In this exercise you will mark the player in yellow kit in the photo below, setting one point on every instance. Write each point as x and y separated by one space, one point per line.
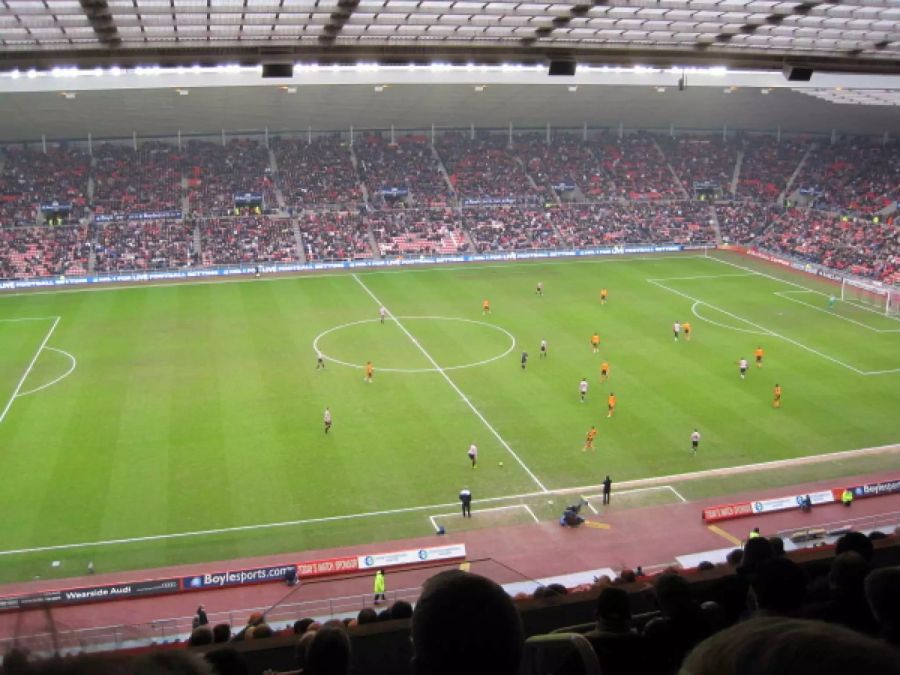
595 342
759 354
604 294
776 397
686 327
370 371
604 371
611 404
486 306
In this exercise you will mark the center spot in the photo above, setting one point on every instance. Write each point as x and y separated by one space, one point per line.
452 342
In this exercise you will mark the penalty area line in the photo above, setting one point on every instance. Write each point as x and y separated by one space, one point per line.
527 509
452 384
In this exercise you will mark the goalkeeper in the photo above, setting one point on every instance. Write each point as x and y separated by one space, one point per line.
831 302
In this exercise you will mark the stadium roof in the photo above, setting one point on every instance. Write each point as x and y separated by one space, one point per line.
856 36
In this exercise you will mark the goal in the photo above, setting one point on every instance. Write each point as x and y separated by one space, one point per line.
881 298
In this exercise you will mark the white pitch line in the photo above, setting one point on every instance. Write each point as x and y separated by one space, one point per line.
677 494
452 384
796 285
29 318
585 489
458 514
696 313
528 508
763 328
705 276
787 296
28 370
58 379
591 507
636 490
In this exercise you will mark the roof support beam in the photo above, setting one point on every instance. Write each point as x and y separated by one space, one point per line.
101 20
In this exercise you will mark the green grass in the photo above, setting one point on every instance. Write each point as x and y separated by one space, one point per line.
198 407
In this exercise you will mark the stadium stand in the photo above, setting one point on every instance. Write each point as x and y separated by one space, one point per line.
631 167
407 164
743 222
418 232
144 245
849 244
612 189
317 173
564 165
621 222
508 228
229 241
128 181
335 235
698 159
29 252
30 178
485 170
216 173
852 176
767 165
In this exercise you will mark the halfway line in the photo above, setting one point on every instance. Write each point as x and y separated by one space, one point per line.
453 385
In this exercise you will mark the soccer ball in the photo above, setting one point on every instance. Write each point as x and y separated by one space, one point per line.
500 464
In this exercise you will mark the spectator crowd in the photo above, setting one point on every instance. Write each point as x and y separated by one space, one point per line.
469 192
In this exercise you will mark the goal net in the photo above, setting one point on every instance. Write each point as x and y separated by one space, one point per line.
881 298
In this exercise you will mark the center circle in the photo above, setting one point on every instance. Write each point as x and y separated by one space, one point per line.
401 319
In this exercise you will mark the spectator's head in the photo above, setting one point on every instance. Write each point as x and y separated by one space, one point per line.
735 557
779 587
401 610
366 615
465 623
328 652
302 647
883 593
705 566
226 661
848 573
627 576
768 645
673 592
777 546
756 550
876 535
221 633
613 609
255 619
855 541
556 590
262 631
201 635
302 625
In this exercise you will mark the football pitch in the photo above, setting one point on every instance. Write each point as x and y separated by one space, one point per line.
153 425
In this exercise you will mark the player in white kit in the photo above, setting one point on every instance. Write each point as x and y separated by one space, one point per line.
582 388
473 455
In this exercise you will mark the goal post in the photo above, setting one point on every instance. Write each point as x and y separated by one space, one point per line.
873 295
